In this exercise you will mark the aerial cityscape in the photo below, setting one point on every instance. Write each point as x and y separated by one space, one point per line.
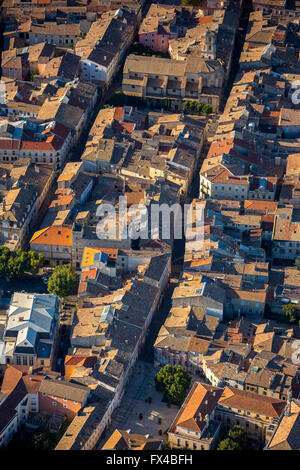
150 226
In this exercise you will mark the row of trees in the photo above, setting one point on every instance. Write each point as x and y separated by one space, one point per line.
196 107
190 3
189 107
236 439
174 383
15 264
120 99
138 49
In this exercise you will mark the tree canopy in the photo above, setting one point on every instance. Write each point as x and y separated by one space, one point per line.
236 439
14 264
174 382
63 281
297 262
289 313
207 109
196 107
192 3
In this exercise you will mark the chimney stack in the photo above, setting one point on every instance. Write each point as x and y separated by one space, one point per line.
288 405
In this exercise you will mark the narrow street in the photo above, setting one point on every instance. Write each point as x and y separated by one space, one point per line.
126 415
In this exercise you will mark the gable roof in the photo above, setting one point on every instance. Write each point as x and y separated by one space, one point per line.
249 401
58 236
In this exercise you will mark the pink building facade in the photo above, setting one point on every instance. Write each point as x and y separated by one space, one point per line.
156 42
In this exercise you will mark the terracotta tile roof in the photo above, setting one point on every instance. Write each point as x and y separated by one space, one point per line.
55 143
287 434
199 345
260 205
58 236
123 440
89 274
220 174
64 389
9 144
252 402
118 114
73 362
62 200
220 147
200 401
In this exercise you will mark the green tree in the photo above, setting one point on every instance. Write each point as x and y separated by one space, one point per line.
199 107
297 262
36 261
63 281
14 264
289 312
235 440
207 109
238 434
228 444
33 73
42 441
192 3
174 382
186 107
193 106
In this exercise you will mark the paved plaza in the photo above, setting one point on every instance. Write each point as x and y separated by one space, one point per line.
140 387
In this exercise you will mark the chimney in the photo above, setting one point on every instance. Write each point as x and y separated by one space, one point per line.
30 370
288 404
129 443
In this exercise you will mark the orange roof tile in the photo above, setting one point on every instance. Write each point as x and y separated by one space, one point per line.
89 274
60 236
